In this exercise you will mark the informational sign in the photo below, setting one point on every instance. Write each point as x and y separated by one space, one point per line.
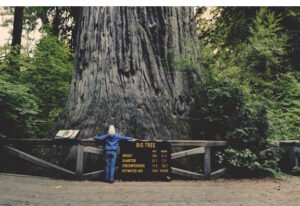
66 134
145 160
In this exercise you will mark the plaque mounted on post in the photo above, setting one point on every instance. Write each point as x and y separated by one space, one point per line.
145 160
66 134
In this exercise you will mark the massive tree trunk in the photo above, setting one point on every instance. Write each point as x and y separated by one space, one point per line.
124 73
17 27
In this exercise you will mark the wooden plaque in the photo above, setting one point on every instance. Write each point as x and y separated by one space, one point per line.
66 134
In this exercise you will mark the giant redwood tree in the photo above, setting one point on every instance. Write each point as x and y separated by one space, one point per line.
124 72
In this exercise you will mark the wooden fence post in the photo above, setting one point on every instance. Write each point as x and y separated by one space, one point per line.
293 157
79 160
207 165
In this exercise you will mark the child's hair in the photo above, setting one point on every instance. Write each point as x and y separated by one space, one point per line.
111 130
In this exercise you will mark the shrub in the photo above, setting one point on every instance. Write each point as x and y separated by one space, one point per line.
19 109
227 113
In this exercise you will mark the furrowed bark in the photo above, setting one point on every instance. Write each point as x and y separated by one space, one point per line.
124 74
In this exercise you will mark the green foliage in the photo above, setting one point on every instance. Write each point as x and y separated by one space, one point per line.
50 75
34 90
296 171
228 27
266 47
32 14
18 108
259 64
283 98
240 158
250 95
270 157
226 112
271 78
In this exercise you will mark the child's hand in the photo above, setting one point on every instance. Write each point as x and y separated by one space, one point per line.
132 139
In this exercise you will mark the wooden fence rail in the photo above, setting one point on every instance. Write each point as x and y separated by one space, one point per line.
90 146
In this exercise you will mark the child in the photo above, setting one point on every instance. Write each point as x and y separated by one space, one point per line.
111 149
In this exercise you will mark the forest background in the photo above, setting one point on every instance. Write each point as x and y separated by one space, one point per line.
249 71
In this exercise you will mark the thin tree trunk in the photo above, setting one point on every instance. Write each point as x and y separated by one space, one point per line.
75 13
17 27
56 22
123 74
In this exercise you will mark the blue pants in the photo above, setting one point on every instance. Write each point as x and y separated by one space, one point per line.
110 158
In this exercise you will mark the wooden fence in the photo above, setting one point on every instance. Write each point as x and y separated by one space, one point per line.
90 146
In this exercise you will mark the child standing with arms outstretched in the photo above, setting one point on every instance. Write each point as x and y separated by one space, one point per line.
111 150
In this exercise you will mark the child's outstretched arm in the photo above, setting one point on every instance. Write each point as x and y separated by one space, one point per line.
103 137
120 137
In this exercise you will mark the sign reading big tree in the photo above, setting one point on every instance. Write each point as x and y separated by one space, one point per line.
145 160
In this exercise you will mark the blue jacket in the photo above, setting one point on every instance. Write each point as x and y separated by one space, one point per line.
111 143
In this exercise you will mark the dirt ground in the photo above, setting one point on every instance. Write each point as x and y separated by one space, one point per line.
29 190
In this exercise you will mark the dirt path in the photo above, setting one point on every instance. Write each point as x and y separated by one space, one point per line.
27 190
